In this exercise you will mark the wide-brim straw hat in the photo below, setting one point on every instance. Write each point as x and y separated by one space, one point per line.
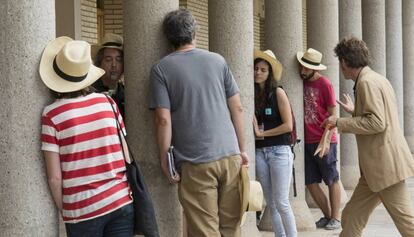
270 57
311 59
110 40
251 194
66 65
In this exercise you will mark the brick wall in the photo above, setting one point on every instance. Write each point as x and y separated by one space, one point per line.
199 9
259 32
89 26
113 16
258 25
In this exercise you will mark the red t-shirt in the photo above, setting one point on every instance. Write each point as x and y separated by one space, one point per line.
318 95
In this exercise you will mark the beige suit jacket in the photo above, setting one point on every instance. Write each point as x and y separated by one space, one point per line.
384 156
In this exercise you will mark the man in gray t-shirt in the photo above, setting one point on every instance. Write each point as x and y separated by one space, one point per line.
198 111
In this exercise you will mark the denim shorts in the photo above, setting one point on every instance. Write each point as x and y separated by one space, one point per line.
317 169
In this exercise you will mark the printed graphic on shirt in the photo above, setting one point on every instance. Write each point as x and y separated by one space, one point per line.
311 105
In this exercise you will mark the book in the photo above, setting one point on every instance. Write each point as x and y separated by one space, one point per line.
171 163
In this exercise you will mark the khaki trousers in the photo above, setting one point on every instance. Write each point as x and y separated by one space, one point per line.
209 194
396 200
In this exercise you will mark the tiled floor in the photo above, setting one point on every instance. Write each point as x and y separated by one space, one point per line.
380 223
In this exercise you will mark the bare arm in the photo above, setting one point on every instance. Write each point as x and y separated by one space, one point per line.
285 113
332 113
54 176
164 134
237 116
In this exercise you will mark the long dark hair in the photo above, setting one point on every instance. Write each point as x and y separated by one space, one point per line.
261 96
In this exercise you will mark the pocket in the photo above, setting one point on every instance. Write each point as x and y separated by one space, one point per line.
236 162
279 155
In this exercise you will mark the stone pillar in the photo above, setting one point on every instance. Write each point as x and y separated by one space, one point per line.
322 35
408 67
350 24
26 206
393 14
373 33
285 40
231 35
145 44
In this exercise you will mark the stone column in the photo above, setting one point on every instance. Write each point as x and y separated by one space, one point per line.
408 67
393 27
283 30
350 24
322 33
373 33
231 35
26 206
145 44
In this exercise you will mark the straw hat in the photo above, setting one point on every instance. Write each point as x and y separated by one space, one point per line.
66 65
311 59
251 195
110 40
270 57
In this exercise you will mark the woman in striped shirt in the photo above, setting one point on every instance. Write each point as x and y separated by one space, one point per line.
84 158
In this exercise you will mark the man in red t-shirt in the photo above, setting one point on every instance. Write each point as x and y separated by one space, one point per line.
319 104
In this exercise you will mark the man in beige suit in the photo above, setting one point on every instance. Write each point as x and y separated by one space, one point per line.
385 159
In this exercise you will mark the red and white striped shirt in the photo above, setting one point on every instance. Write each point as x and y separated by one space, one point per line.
83 131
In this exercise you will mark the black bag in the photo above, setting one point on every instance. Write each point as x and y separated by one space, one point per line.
145 222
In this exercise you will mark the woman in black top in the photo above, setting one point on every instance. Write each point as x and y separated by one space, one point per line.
272 128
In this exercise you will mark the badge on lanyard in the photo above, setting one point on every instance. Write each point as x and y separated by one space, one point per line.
268 111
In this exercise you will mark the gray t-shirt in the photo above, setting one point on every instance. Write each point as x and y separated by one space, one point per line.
195 85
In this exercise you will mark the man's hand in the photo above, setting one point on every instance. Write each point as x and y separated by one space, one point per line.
164 167
324 145
330 122
245 159
347 104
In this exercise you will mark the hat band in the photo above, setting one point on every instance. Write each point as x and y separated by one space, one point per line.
65 76
112 44
310 62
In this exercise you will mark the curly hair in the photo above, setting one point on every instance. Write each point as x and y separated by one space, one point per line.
353 51
179 27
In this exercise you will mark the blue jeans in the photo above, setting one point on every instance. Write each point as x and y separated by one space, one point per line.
119 223
274 171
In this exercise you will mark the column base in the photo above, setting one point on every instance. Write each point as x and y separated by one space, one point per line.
303 217
312 204
249 229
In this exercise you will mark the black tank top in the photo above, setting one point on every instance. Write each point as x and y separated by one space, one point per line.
270 117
